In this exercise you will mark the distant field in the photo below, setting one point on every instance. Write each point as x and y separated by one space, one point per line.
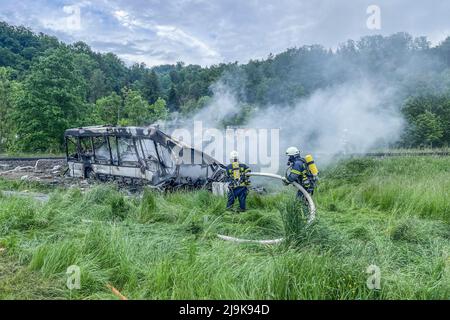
392 212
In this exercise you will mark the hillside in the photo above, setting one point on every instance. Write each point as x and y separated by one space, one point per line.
43 80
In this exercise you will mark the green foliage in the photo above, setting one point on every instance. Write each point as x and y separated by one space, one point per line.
108 109
428 128
73 85
239 118
8 89
136 109
18 46
173 99
158 110
97 87
191 106
429 120
52 94
151 87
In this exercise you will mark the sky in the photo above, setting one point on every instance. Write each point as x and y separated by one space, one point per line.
207 32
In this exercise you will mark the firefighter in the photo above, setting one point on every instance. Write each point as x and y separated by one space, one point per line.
238 181
301 170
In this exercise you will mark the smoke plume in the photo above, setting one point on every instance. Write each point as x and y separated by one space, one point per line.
354 117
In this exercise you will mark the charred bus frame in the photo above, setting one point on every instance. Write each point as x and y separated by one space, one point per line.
151 157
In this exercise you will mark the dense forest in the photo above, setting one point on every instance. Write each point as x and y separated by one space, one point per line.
47 86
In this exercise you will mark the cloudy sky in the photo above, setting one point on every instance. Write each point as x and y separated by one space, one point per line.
211 31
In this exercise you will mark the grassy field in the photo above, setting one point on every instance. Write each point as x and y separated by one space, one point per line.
393 213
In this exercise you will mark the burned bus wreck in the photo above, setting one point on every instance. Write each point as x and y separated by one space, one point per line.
138 156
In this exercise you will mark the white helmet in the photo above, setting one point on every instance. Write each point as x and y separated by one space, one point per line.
234 155
292 151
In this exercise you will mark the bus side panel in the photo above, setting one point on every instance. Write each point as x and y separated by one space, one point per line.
76 169
130 172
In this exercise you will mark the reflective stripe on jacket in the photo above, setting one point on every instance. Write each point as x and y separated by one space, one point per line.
299 172
236 173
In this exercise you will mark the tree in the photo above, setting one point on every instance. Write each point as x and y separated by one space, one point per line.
443 51
52 100
159 110
196 90
81 47
136 72
50 85
191 106
108 110
137 109
432 108
173 102
151 89
19 45
188 107
6 107
427 129
97 85
114 70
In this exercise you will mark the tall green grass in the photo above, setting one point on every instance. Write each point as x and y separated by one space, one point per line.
417 186
164 246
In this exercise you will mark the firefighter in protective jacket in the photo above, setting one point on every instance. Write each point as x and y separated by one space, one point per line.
301 170
238 181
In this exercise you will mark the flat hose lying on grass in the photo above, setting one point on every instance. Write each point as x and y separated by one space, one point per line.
311 207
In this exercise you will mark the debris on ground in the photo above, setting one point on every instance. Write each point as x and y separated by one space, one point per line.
116 292
49 171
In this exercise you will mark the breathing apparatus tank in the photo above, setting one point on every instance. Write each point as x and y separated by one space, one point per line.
311 165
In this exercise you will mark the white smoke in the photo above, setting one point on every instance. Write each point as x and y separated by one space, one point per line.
223 105
349 118
353 117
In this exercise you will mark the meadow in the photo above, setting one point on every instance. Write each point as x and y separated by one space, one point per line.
393 213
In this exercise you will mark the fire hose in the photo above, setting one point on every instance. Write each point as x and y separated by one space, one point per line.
306 195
